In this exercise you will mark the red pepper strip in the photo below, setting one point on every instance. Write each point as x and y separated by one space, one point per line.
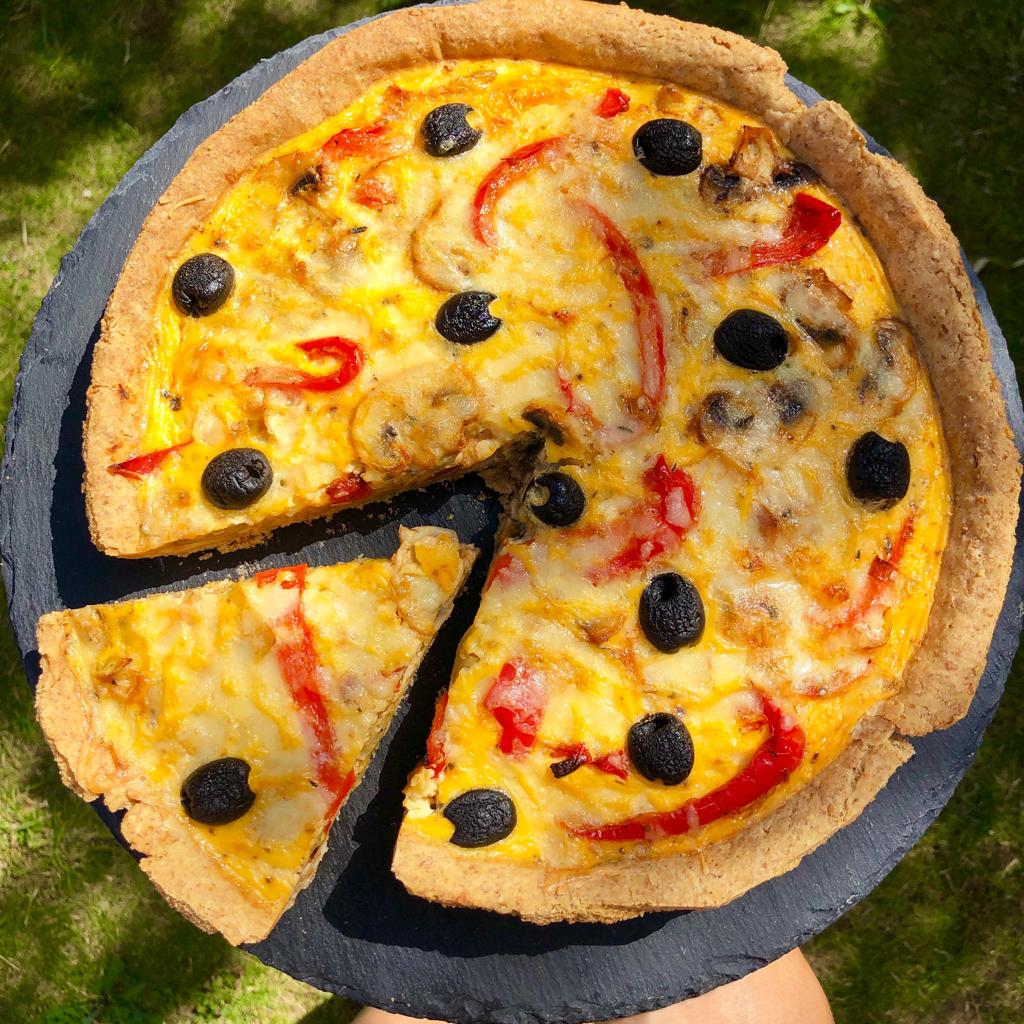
356 141
351 487
297 659
437 758
517 699
614 101
375 193
671 509
574 405
141 465
515 166
613 764
880 572
646 311
773 762
350 361
506 569
811 224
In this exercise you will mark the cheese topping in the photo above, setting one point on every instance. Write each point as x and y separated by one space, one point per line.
610 282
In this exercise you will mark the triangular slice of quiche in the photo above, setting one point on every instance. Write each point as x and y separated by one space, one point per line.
231 721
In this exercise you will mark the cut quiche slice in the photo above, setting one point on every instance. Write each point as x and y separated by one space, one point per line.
230 722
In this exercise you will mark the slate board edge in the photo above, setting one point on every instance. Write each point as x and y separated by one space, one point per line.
233 98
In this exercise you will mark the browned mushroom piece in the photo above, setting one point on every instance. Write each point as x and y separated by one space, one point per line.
440 258
893 371
820 308
417 419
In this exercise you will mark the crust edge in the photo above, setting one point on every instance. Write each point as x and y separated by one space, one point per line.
624 889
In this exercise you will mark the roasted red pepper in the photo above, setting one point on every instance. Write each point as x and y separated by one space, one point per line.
506 569
351 487
437 758
773 762
669 512
141 465
880 572
614 763
503 176
517 699
366 141
614 101
300 669
376 193
350 361
574 405
650 327
811 224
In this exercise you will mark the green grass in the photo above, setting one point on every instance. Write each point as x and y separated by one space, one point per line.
85 89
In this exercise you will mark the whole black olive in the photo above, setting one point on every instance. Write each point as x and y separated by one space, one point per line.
446 132
667 146
236 478
661 749
565 500
480 817
878 471
671 612
465 318
202 284
751 339
218 792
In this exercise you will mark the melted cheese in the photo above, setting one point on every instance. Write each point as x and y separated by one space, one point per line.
780 552
183 679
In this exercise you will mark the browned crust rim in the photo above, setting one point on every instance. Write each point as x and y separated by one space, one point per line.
915 244
188 877
614 891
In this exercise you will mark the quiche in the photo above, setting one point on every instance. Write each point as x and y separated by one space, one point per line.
722 361
230 722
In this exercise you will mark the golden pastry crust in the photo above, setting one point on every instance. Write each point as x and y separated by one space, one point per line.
619 890
194 882
923 263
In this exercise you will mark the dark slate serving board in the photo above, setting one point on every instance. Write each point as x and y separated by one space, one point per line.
354 930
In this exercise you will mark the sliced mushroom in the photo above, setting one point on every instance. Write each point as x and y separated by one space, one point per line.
441 257
794 403
893 373
820 308
416 419
752 168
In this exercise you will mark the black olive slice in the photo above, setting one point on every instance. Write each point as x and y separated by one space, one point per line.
671 612
480 817
218 792
751 339
446 132
667 146
236 478
465 318
661 748
202 284
878 471
565 500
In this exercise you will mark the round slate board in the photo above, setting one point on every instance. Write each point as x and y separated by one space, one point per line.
355 931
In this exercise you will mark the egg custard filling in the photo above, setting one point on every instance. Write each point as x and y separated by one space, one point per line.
729 546
232 721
